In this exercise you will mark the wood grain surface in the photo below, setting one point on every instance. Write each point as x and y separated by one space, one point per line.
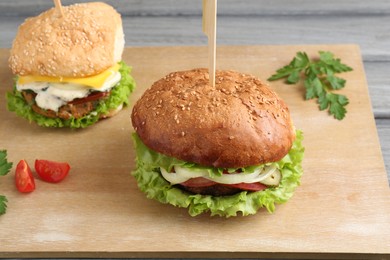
341 210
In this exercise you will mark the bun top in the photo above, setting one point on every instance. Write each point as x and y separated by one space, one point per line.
85 41
240 122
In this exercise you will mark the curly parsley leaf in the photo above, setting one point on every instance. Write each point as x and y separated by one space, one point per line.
5 167
292 71
319 80
3 204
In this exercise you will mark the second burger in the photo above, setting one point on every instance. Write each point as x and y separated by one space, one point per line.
68 66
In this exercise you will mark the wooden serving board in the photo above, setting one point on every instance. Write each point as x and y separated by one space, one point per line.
340 210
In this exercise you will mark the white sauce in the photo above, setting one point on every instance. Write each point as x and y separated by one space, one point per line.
54 95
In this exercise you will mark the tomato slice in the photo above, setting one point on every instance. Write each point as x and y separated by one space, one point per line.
24 179
198 182
92 97
256 186
51 171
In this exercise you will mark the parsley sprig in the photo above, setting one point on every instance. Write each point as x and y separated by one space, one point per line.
5 167
319 80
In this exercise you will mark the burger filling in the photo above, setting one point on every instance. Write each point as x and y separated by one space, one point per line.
204 180
67 97
71 102
250 179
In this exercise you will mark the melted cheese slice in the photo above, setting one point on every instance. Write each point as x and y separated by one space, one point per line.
94 82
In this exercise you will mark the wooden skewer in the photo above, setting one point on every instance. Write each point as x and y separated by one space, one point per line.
210 29
58 6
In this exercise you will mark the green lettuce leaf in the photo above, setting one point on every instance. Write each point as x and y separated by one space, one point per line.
156 160
119 95
5 167
156 187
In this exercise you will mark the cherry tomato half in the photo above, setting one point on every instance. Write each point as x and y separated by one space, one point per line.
24 179
51 171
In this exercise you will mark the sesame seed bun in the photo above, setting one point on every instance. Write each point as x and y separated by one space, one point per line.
85 41
240 122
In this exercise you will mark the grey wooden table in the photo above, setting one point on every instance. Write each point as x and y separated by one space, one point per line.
253 22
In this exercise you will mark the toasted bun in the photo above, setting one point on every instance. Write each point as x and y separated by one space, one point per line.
87 40
238 123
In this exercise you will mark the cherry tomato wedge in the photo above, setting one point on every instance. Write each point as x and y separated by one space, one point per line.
51 171
24 179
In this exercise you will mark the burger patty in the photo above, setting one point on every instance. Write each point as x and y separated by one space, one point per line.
204 186
214 190
74 109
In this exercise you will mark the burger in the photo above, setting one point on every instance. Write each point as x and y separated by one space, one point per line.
68 66
227 149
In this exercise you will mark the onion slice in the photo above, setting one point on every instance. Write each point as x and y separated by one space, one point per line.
268 175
